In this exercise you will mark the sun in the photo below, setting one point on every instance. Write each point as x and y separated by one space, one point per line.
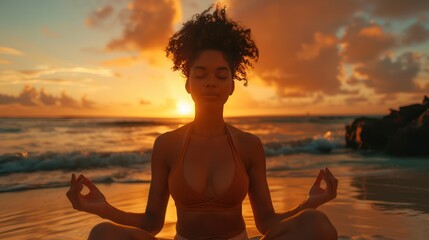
183 108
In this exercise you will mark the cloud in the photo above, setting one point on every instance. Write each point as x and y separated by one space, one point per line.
30 97
396 8
88 104
353 100
364 41
47 99
96 17
304 44
416 33
121 62
297 42
10 51
67 101
45 74
388 75
44 71
148 24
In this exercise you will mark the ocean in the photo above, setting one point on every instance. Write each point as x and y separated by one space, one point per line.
41 153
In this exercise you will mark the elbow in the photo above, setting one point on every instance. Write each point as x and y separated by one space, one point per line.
265 224
157 228
152 228
152 225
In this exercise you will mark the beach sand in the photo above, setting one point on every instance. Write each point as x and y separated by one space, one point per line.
47 214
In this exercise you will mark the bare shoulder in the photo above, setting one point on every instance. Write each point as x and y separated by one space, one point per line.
174 136
168 145
245 138
249 147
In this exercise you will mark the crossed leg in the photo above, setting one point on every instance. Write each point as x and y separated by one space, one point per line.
309 224
111 231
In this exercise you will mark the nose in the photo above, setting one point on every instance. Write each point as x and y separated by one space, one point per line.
211 82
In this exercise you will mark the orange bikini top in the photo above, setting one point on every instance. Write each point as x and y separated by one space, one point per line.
187 199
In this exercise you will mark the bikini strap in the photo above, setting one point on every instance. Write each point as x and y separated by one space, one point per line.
184 147
234 144
186 141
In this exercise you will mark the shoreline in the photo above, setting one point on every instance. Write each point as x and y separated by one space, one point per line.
47 214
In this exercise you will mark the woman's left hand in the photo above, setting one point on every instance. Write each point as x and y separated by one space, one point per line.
317 195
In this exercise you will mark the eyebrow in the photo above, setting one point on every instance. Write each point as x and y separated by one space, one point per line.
203 68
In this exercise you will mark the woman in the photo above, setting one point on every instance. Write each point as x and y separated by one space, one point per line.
208 166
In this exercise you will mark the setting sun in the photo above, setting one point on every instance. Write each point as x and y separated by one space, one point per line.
184 108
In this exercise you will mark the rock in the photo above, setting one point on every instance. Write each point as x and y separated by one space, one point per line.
412 139
369 133
403 132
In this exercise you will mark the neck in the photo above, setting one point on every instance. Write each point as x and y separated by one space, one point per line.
209 121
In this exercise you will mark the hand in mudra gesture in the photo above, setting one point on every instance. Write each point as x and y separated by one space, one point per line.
93 202
318 195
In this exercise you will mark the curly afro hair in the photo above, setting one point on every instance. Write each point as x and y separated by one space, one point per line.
213 31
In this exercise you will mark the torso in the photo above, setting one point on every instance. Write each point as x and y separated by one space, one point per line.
208 172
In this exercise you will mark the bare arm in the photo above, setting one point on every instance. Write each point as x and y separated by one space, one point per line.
259 194
153 218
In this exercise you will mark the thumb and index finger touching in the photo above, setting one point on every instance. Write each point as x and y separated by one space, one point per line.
76 186
331 182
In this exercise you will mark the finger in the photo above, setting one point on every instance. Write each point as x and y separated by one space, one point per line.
319 178
72 181
79 184
91 186
331 183
334 179
335 183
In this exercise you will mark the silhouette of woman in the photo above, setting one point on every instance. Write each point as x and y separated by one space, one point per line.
208 166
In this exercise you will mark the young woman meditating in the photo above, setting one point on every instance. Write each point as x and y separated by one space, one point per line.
207 165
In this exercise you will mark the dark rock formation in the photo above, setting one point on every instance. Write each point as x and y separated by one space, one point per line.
403 132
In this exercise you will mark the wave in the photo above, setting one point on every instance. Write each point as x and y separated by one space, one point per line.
15 187
26 162
315 145
10 130
294 119
130 123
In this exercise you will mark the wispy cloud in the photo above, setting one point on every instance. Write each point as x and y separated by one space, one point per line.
10 51
45 71
53 75
30 97
99 15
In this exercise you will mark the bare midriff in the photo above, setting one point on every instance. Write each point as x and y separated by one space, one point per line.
220 224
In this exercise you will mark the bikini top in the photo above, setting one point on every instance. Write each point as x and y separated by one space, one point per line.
188 199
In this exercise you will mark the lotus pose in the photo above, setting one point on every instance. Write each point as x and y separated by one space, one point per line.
207 165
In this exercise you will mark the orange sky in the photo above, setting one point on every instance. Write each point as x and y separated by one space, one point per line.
106 58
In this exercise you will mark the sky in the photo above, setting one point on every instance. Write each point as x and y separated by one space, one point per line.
106 58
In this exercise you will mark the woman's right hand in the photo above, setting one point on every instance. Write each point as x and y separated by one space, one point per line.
93 202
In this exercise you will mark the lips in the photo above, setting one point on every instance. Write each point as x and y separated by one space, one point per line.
210 95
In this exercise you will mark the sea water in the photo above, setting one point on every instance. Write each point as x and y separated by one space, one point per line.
41 153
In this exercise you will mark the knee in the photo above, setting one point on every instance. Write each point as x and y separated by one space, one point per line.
315 219
102 230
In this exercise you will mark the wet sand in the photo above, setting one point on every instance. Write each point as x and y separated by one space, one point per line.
366 208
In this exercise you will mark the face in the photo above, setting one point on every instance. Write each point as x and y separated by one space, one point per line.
210 79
